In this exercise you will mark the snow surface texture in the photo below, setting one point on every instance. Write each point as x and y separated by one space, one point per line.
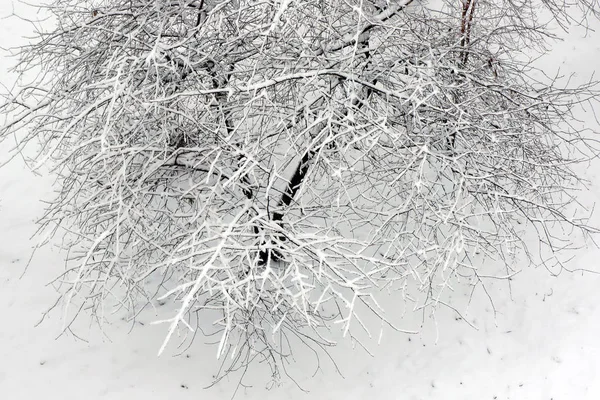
543 343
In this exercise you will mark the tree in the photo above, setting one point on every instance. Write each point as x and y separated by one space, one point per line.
277 164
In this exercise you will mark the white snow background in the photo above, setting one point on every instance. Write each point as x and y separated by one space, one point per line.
543 344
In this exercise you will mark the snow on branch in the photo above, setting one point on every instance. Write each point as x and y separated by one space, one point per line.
267 171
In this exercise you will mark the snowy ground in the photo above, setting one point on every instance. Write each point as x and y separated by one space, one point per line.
543 344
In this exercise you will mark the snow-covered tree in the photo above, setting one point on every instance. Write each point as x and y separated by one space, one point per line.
271 167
